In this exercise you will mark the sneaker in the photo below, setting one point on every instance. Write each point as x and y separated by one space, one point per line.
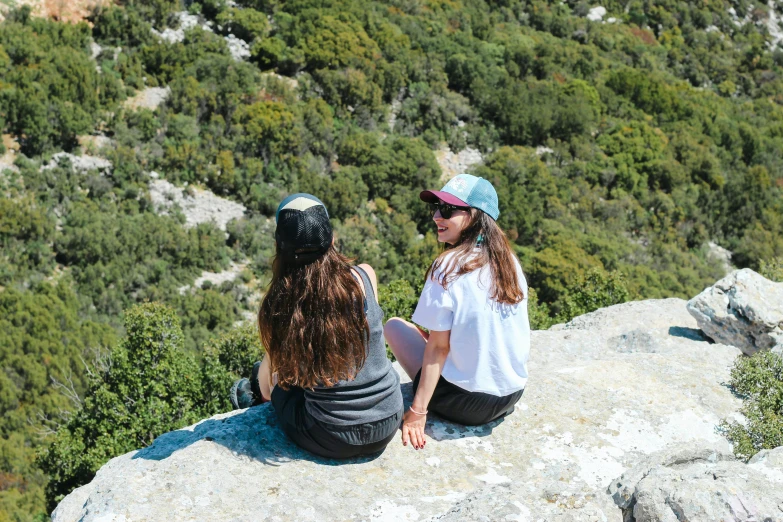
241 395
245 393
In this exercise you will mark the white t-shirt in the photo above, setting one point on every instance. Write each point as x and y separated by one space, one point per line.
490 341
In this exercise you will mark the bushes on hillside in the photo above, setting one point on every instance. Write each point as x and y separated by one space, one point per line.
151 387
51 91
43 343
398 299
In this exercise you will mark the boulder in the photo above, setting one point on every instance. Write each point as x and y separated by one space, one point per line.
701 484
744 309
606 391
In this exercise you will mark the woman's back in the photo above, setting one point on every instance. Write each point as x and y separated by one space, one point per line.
373 393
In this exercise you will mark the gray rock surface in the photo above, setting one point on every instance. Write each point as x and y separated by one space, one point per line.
743 309
216 278
239 49
148 98
703 484
185 22
720 254
198 205
83 162
453 163
606 390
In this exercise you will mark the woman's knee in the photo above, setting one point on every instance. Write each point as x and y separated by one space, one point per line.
390 330
394 330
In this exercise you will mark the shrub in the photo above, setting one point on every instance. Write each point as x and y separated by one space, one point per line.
398 299
226 359
246 24
538 313
773 269
759 380
597 289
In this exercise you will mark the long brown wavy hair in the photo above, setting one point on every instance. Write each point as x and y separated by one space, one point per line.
493 250
312 322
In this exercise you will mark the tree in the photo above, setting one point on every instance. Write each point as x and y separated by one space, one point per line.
595 290
151 387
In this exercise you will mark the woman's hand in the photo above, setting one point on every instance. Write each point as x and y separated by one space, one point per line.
413 429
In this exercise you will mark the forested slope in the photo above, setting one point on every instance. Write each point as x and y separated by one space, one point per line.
621 145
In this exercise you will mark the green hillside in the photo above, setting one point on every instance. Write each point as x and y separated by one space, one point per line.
621 146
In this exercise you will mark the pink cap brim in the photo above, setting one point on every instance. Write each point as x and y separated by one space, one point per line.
433 196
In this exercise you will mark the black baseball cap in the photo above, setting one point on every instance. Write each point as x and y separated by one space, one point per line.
303 232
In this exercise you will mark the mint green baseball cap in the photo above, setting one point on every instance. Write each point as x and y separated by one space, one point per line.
466 190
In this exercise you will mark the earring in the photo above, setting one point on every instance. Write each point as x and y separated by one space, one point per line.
479 240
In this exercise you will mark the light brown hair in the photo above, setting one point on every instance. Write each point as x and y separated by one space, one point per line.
312 322
493 250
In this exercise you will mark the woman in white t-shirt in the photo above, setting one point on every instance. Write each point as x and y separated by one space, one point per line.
471 368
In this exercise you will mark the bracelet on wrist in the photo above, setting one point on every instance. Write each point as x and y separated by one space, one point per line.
417 412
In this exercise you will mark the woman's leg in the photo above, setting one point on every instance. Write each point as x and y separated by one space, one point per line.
407 342
265 378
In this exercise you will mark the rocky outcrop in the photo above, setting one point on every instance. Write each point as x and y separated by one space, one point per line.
453 163
9 156
64 10
80 163
744 310
149 98
606 391
596 14
198 205
215 278
721 255
702 484
239 49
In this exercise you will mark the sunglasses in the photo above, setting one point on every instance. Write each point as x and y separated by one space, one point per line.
446 210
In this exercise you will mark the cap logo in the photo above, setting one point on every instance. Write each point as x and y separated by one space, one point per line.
458 184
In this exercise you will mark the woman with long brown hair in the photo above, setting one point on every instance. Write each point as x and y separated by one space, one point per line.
471 367
325 370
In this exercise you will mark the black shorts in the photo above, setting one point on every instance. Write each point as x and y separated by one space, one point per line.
330 440
456 404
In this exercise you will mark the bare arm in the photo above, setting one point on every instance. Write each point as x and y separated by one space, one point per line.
373 279
435 353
